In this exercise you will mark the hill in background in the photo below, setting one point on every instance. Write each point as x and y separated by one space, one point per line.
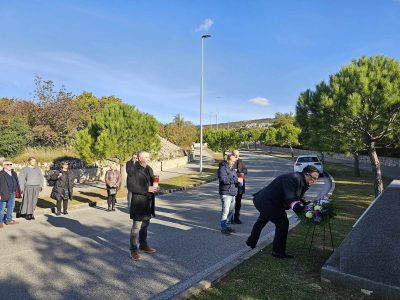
264 123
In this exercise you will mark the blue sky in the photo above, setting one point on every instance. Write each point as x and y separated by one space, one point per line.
261 55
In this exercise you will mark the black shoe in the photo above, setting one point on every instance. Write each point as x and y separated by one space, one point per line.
237 221
233 221
58 213
28 217
113 209
32 217
65 213
252 246
226 231
281 255
231 230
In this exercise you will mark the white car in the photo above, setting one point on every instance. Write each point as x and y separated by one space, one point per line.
309 159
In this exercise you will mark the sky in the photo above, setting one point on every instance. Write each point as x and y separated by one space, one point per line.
261 54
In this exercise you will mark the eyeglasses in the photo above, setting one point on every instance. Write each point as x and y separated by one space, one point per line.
312 177
8 164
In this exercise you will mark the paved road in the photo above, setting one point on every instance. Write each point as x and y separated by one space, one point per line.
85 255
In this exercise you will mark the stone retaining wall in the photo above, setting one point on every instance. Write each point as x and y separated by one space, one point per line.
364 159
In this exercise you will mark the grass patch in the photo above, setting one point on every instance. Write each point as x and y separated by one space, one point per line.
188 180
43 155
263 277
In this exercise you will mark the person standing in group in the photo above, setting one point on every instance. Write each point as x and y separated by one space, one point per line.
9 186
113 183
31 183
142 208
130 163
227 190
241 171
284 192
63 187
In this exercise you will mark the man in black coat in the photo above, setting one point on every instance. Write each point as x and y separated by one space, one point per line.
9 187
284 192
63 187
241 170
140 184
129 165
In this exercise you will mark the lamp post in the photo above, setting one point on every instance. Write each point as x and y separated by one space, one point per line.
205 36
216 112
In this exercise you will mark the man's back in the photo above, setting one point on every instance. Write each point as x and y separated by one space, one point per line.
283 190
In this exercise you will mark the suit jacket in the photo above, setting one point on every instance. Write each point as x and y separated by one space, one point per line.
282 191
4 190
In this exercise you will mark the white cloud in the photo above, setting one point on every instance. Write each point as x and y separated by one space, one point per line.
206 25
259 101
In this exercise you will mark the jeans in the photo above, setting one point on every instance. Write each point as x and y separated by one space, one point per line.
139 234
10 208
228 203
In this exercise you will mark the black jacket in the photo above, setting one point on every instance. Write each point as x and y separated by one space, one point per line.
282 191
143 202
4 191
241 168
66 181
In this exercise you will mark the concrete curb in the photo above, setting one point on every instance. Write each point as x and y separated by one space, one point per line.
42 211
215 277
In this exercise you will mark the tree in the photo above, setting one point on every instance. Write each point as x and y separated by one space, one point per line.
315 121
179 132
89 105
222 140
116 132
288 135
283 119
15 135
269 137
365 100
57 113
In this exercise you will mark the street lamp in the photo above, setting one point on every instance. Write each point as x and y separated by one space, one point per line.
205 36
216 112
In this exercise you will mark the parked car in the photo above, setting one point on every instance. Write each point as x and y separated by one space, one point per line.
309 159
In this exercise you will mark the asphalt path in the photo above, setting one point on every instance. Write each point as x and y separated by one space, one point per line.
85 255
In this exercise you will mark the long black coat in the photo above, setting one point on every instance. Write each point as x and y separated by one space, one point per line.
241 168
4 191
66 181
143 202
281 192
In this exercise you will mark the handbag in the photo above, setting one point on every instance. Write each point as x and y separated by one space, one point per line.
112 191
17 194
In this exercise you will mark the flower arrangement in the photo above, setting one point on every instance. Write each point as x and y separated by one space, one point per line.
319 211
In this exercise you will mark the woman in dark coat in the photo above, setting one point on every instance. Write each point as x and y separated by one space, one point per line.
140 184
63 187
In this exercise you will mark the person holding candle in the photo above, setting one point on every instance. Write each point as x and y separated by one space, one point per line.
241 171
142 208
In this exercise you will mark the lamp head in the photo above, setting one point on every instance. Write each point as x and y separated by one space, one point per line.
205 36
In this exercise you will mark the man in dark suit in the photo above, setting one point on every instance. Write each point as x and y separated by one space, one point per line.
284 192
241 171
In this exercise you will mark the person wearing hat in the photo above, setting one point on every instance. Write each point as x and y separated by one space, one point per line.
63 187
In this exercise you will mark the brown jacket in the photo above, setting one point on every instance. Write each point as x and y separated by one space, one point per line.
113 178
